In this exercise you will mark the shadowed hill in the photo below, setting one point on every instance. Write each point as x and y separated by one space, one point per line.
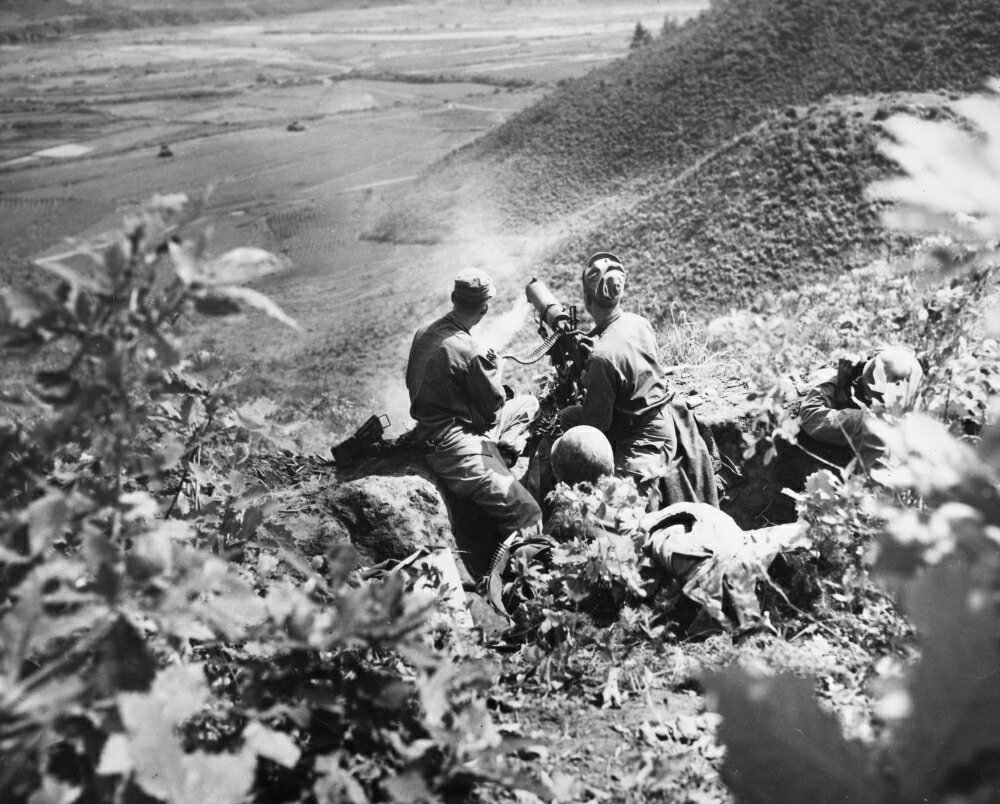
728 156
724 72
779 205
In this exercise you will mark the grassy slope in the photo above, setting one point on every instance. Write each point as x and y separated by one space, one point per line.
784 203
747 174
687 93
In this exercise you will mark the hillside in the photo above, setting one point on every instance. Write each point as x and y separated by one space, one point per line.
692 89
726 156
777 205
198 605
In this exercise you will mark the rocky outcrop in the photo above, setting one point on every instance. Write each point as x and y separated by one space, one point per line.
391 516
389 505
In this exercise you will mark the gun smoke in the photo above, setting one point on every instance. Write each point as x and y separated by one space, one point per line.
510 260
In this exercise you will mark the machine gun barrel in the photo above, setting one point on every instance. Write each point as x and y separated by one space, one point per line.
549 309
567 347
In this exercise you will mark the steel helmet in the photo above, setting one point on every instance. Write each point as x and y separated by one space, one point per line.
582 454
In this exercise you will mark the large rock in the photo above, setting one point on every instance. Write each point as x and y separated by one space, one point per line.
391 516
391 505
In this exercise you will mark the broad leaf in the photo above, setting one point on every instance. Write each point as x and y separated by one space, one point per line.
251 298
124 661
52 791
219 778
73 278
28 629
336 784
274 745
781 748
956 686
47 519
48 700
116 756
240 265
951 183
161 767
21 309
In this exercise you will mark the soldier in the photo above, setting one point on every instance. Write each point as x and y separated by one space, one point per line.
465 415
627 398
834 416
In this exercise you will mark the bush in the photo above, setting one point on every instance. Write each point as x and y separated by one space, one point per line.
157 639
940 557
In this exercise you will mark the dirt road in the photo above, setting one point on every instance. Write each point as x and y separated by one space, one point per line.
85 119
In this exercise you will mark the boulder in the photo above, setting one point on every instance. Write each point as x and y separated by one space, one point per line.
391 505
389 517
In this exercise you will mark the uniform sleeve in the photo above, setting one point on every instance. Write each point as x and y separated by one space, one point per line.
411 366
485 389
601 385
820 419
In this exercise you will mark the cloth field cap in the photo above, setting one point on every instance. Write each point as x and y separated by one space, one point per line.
604 279
472 287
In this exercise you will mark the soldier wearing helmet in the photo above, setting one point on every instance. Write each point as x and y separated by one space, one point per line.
627 398
835 413
463 414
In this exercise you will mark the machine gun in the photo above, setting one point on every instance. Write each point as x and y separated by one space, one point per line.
567 347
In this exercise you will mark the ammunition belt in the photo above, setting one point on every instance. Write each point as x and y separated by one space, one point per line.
537 353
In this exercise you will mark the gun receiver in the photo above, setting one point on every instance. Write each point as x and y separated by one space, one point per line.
569 348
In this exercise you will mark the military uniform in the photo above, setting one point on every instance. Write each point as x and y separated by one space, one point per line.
656 442
626 397
458 402
833 423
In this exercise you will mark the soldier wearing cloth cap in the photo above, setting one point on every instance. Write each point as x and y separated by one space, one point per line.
627 398
462 411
